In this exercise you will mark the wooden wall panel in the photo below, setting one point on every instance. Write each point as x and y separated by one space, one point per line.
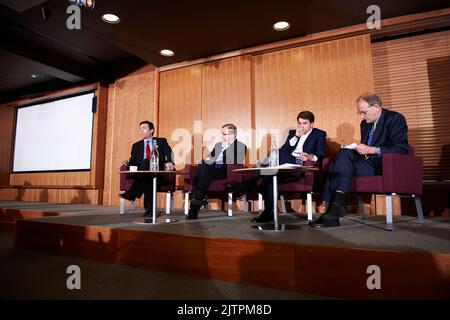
131 99
179 108
226 98
324 78
51 178
6 134
412 76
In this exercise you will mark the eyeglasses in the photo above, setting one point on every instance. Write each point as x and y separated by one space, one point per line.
363 113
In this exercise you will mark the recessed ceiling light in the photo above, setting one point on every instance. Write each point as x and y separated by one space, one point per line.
110 18
36 76
281 25
166 53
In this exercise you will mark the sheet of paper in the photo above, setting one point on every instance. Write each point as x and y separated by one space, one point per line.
350 146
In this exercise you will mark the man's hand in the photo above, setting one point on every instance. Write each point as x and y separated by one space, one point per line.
171 166
298 132
363 149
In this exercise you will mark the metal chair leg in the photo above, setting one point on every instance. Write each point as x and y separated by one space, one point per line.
389 222
260 203
418 202
230 204
283 204
361 207
122 206
309 205
186 203
168 196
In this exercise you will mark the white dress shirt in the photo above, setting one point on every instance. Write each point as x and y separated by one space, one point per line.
299 148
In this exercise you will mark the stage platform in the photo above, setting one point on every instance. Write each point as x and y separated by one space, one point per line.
413 260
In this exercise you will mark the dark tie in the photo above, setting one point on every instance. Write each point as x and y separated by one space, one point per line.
147 150
372 131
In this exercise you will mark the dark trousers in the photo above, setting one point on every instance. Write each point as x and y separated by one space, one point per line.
206 174
348 163
143 185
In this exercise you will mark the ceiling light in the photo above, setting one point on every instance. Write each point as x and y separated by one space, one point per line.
166 53
110 18
281 26
36 76
88 4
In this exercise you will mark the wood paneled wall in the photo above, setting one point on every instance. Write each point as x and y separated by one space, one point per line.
412 76
131 99
324 78
6 134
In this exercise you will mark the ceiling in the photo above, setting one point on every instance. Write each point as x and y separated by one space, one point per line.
59 57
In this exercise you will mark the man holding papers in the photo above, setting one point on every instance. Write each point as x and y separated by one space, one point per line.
305 143
382 131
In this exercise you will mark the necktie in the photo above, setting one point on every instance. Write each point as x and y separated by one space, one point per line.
147 150
372 131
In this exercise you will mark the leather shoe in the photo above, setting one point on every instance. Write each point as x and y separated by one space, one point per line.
264 217
337 210
193 212
325 221
127 196
147 214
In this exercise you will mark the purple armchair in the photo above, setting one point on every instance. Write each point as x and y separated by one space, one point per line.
311 182
216 189
166 184
402 175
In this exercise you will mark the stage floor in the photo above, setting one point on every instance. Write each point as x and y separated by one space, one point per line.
408 234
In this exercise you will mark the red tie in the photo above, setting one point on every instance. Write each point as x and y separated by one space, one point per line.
147 150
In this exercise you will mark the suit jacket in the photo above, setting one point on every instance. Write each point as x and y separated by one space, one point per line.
315 144
234 154
137 154
391 135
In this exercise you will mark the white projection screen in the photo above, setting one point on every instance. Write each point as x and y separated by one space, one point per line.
54 136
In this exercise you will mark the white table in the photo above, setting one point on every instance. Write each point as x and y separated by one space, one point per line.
274 171
154 174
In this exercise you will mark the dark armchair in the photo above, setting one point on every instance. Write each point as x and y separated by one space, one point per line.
402 175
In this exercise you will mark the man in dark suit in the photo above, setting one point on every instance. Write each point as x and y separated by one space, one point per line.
214 166
140 156
305 143
382 131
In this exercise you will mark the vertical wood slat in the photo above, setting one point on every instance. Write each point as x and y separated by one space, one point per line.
6 134
412 76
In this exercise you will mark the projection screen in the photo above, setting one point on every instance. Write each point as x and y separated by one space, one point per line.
54 136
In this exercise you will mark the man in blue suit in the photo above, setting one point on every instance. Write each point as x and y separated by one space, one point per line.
382 131
306 143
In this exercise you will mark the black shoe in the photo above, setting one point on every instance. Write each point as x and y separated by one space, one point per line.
265 216
147 214
193 212
337 210
127 196
325 221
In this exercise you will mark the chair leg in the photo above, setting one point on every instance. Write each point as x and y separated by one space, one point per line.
260 203
168 202
122 206
389 222
186 203
132 206
361 207
230 204
309 205
283 204
418 208
244 199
